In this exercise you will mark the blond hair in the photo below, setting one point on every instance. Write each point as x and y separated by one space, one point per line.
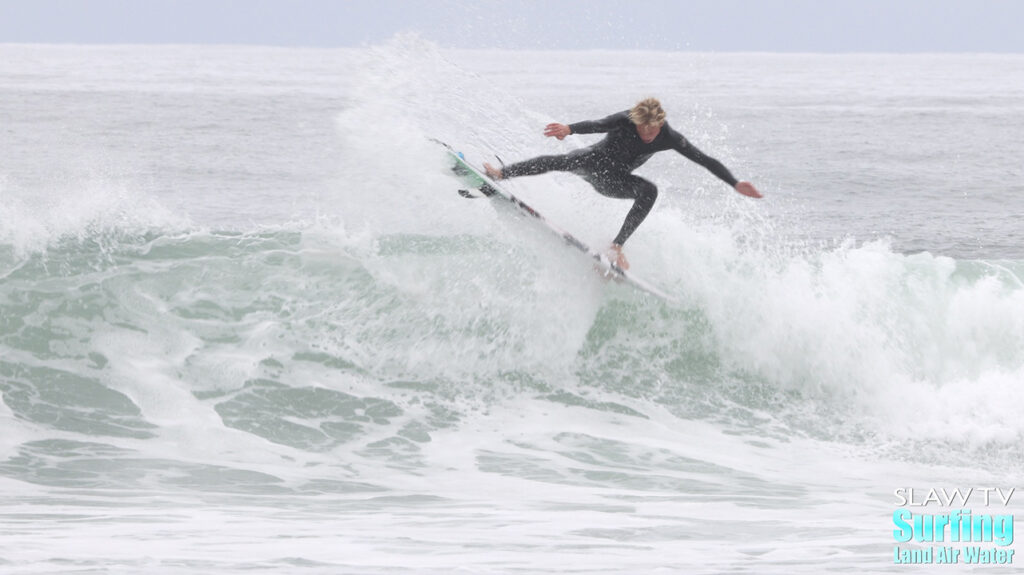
647 112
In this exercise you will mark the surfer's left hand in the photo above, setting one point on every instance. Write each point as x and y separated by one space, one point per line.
748 189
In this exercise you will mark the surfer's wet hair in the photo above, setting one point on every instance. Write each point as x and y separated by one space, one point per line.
647 112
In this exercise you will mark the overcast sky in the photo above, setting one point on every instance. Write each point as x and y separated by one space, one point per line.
691 25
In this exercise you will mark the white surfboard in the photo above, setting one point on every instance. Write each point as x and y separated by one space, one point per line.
482 186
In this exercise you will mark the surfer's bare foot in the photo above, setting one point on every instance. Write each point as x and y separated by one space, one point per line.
617 257
492 172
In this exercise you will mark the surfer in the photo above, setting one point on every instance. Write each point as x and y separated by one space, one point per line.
633 137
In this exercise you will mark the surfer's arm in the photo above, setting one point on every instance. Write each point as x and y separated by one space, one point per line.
560 131
691 152
598 126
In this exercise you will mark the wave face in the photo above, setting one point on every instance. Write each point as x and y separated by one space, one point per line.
352 369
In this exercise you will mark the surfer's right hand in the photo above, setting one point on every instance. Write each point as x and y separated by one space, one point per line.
556 130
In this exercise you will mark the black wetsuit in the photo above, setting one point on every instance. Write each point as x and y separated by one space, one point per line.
607 164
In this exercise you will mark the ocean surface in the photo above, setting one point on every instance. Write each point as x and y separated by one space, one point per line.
248 326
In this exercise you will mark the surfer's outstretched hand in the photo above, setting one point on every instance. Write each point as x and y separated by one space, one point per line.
748 189
616 256
556 130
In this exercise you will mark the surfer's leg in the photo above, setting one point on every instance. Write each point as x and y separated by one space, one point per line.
638 213
538 165
627 186
581 160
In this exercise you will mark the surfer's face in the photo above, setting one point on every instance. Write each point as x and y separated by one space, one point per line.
648 132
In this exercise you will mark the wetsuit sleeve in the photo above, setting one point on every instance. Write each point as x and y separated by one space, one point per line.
599 126
684 147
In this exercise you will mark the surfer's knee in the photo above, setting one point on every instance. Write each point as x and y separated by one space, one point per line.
647 192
